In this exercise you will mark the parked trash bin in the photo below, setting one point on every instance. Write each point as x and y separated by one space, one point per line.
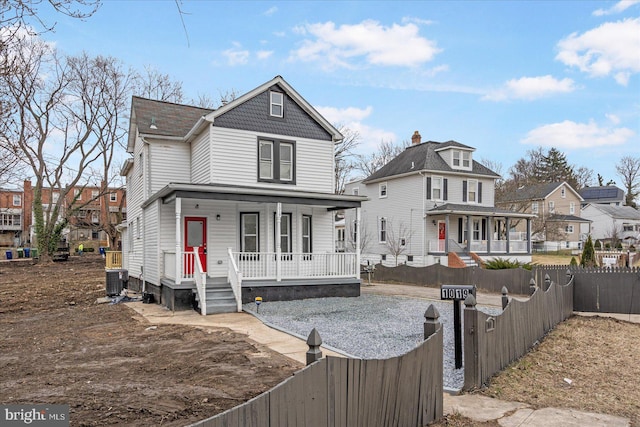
20 253
9 255
34 252
27 252
103 252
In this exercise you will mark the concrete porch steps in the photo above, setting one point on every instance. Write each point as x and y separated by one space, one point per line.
468 261
219 298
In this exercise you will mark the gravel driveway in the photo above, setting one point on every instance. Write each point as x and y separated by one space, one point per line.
368 327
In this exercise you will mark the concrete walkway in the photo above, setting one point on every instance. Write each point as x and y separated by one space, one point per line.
476 407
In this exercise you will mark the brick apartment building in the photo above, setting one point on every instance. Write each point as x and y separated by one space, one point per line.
91 211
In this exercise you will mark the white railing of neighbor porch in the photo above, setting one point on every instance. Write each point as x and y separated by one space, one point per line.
235 278
201 281
262 265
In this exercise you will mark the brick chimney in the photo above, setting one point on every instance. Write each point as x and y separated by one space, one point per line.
416 138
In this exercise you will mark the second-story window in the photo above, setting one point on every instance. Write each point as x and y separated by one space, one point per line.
94 194
456 158
17 200
113 197
276 108
355 191
552 206
276 161
472 191
436 188
382 190
572 208
534 207
466 159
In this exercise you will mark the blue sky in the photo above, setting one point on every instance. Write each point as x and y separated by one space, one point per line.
503 77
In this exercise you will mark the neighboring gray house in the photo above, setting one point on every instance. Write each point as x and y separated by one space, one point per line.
603 195
229 204
431 201
609 223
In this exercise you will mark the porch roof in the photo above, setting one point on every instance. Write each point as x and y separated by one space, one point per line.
459 209
254 194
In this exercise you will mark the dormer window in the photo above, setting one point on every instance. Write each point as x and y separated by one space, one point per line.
456 158
276 108
466 159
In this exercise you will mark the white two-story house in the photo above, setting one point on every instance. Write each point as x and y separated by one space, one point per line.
434 203
231 204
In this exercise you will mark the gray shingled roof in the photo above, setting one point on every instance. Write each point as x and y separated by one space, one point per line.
567 218
531 192
619 212
423 157
169 119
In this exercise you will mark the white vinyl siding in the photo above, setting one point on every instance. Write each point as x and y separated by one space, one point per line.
200 164
151 241
169 163
234 161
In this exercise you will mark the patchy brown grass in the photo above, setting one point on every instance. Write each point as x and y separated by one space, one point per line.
553 259
599 356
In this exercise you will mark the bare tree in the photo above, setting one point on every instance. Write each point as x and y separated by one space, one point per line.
153 84
363 234
628 168
385 152
583 176
397 238
59 102
343 153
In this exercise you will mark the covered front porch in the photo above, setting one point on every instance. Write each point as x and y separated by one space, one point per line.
277 244
477 229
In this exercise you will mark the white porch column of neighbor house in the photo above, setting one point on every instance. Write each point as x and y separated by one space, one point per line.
489 231
446 234
507 225
528 235
278 239
357 227
178 241
469 233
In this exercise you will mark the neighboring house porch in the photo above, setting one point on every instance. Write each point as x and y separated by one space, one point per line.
485 231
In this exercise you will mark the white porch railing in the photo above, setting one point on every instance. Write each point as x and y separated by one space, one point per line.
235 278
200 278
262 265
479 246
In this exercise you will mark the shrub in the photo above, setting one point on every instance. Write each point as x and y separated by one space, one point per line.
503 264
598 245
632 248
588 258
573 262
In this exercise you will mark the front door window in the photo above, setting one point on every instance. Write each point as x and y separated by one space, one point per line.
195 237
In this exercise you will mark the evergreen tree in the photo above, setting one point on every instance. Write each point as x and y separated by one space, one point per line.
553 167
588 258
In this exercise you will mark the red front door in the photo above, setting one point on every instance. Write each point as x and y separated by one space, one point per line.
442 235
195 228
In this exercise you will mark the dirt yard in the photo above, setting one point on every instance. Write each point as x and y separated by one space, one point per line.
110 365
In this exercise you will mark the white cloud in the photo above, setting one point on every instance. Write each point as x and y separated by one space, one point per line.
612 48
270 11
419 21
571 135
619 7
236 55
531 88
366 43
264 54
613 118
352 117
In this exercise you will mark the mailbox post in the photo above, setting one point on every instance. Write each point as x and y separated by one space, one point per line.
457 293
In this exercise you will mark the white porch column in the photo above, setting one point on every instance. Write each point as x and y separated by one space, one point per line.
489 233
529 236
508 227
278 241
178 241
357 227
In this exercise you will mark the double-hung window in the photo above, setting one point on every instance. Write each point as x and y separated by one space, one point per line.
456 158
572 208
436 188
383 230
382 190
276 104
276 161
113 197
552 206
534 207
249 232
306 235
285 234
17 200
472 191
466 159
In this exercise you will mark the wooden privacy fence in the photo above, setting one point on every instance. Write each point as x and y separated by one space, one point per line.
493 342
611 290
335 391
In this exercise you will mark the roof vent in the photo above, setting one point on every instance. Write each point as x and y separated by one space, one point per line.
153 123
